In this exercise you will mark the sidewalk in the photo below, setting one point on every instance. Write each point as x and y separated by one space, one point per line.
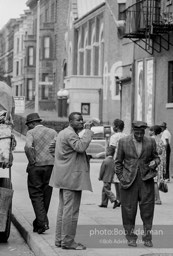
90 218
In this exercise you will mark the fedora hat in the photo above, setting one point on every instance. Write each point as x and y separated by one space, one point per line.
32 118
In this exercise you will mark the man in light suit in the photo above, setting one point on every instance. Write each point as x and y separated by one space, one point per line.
71 175
135 166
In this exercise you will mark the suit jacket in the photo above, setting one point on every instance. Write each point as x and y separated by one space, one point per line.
128 162
71 166
107 170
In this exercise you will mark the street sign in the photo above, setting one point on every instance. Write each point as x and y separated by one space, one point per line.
19 104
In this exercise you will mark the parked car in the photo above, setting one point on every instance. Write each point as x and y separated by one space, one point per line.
98 143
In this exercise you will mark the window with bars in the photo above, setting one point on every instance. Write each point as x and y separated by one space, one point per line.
170 82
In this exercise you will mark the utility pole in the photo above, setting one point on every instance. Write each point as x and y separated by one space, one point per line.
37 59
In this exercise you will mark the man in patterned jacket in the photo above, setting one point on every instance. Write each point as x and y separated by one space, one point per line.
39 169
135 166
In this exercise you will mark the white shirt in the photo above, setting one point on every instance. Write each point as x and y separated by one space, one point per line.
166 135
114 139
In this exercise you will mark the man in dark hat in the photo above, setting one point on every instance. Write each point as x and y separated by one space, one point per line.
166 138
135 166
39 169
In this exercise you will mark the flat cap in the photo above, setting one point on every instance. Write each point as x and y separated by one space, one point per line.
139 124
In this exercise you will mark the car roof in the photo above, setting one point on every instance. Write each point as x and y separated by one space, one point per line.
96 129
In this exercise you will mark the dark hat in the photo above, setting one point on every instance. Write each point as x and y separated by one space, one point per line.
139 124
32 118
163 125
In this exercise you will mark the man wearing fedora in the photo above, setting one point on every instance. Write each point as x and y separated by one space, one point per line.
135 166
40 164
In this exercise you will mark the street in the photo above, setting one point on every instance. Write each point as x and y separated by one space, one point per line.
16 245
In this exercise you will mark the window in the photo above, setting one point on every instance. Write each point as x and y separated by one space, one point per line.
21 90
121 13
30 56
17 90
95 55
45 87
117 86
46 15
17 68
101 52
46 47
21 66
29 91
53 12
18 42
170 82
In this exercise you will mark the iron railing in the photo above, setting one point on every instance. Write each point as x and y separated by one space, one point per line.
145 17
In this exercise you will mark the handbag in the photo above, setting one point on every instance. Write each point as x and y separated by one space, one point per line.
163 186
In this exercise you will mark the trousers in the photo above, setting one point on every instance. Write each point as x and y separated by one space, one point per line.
168 153
141 192
40 192
107 194
67 217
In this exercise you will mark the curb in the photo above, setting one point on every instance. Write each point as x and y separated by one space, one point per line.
36 243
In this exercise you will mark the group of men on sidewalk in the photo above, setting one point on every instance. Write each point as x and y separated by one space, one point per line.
67 167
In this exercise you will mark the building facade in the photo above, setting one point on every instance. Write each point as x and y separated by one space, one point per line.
46 66
6 50
94 59
148 39
22 26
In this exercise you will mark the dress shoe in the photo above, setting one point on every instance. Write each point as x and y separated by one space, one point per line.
41 230
58 244
102 205
35 227
132 243
148 243
116 204
75 246
159 202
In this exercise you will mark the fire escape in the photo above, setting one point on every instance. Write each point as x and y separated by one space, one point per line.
149 27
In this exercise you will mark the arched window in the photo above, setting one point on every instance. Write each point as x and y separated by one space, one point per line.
101 51
86 60
80 68
64 69
105 81
95 54
70 59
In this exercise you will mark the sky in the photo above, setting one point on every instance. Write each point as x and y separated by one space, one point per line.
11 9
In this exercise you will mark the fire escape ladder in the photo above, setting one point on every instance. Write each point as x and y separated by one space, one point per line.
146 27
